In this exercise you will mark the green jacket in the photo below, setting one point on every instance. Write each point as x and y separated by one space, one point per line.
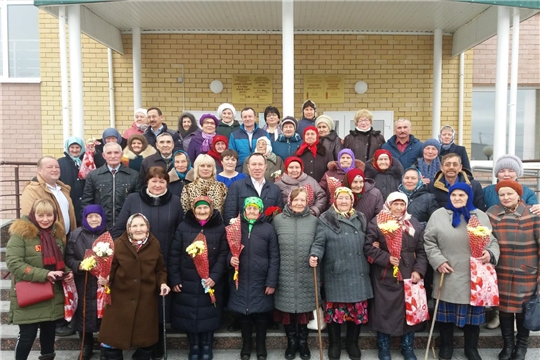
24 260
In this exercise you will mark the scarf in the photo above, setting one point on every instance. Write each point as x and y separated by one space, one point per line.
182 176
404 219
94 209
351 154
75 140
137 244
348 180
446 147
253 200
346 214
213 152
276 134
429 170
310 147
202 200
207 140
376 157
418 185
464 211
50 251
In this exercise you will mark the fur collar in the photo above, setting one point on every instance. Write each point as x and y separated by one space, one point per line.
150 150
25 229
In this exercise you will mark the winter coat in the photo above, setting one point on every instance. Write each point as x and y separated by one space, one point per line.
239 141
388 181
132 130
151 137
242 189
422 204
295 234
364 144
518 235
332 143
192 309
335 171
186 140
25 262
37 189
461 151
102 188
492 198
154 160
274 164
195 145
387 310
339 243
303 124
226 130
135 161
287 184
444 243
316 166
79 241
285 147
407 158
69 175
439 189
215 190
176 185
258 269
371 203
135 280
98 155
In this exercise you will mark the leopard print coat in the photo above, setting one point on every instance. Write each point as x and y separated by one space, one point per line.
215 190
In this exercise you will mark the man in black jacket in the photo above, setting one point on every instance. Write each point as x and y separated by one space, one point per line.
157 127
163 158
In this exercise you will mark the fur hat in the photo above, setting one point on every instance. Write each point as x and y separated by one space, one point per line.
225 106
509 162
511 184
327 120
290 120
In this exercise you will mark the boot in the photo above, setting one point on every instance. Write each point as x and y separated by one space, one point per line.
303 333
507 332
260 337
495 321
207 339
292 341
471 335
245 328
47 356
194 347
114 354
383 342
407 346
334 340
88 345
446 338
158 352
522 341
102 354
351 341
145 352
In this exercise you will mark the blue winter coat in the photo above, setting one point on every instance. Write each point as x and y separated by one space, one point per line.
492 198
239 141
285 147
408 157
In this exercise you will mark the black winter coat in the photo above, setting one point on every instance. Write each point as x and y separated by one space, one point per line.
192 309
316 167
461 151
69 175
388 181
422 204
332 143
364 144
154 160
259 268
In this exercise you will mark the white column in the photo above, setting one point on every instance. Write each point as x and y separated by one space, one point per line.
111 88
461 92
64 80
137 68
75 67
501 83
287 39
437 82
513 84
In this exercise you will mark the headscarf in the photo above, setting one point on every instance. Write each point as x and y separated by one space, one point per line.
401 187
351 211
291 159
74 140
182 176
446 147
193 127
137 243
305 145
94 209
405 217
348 180
253 200
139 137
268 146
50 251
112 132
351 154
213 152
376 156
207 138
465 210
202 200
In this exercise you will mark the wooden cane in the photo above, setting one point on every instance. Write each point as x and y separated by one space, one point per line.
316 286
434 316
83 316
164 330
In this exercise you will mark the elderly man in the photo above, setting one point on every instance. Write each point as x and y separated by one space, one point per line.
244 140
404 146
163 158
157 126
110 184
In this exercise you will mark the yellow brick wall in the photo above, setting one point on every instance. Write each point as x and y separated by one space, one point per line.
397 69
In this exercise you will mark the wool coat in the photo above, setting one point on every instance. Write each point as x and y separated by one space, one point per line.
135 280
408 157
287 184
316 166
339 245
422 204
286 146
134 161
24 260
518 234
215 190
335 171
69 175
388 181
445 243
439 188
192 310
371 202
461 151
258 269
332 143
364 144
492 198
295 234
387 310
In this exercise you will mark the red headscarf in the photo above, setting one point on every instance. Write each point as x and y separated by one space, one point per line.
305 145
212 152
351 174
291 159
376 157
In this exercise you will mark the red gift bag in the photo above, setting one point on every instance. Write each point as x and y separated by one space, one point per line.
416 307
484 284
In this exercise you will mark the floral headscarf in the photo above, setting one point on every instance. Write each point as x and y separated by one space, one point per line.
182 175
447 127
405 217
202 200
137 243
347 214
401 187
256 201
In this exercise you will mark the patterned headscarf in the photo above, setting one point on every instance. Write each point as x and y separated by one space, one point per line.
137 243
202 200
465 210
447 127
405 217
347 214
256 201
401 187
182 175
74 140
351 154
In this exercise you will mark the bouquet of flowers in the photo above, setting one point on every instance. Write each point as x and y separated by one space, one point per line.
333 184
88 164
276 175
234 238
198 250
98 262
393 234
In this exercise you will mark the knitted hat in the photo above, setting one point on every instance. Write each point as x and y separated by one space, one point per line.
309 103
327 120
142 111
291 159
509 162
432 142
225 106
511 184
289 120
208 116
112 132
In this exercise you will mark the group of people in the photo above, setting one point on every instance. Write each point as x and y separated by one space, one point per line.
292 196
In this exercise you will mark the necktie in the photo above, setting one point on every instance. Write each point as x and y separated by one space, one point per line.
113 171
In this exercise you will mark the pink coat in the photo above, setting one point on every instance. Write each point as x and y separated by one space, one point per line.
134 129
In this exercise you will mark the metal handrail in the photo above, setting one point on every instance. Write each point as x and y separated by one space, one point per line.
17 181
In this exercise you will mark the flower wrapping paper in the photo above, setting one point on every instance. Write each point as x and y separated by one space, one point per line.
416 306
234 238
479 236
393 238
333 184
202 264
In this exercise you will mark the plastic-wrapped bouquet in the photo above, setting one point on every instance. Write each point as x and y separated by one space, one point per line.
198 250
393 234
234 238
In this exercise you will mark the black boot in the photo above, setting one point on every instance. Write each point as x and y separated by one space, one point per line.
351 341
507 331
446 338
207 339
260 337
114 354
471 334
303 333
88 345
194 346
383 342
334 340
522 337
292 341
47 356
407 346
102 353
245 328
145 352
158 351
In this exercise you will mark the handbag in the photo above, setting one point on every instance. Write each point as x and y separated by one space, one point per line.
531 311
30 293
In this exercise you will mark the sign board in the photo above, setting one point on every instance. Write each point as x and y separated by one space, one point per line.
252 89
324 88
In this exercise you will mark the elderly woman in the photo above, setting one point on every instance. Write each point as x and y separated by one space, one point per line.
367 198
294 302
430 163
140 124
421 203
178 174
201 143
447 246
69 172
289 141
314 154
446 138
337 169
219 144
295 177
192 309
518 232
385 172
187 129
34 253
137 260
257 277
227 124
364 140
204 184
329 138
309 114
388 316
229 159
136 151
274 164
339 244
271 118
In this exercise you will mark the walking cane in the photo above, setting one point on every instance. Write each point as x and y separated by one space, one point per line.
316 285
434 316
164 330
84 316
